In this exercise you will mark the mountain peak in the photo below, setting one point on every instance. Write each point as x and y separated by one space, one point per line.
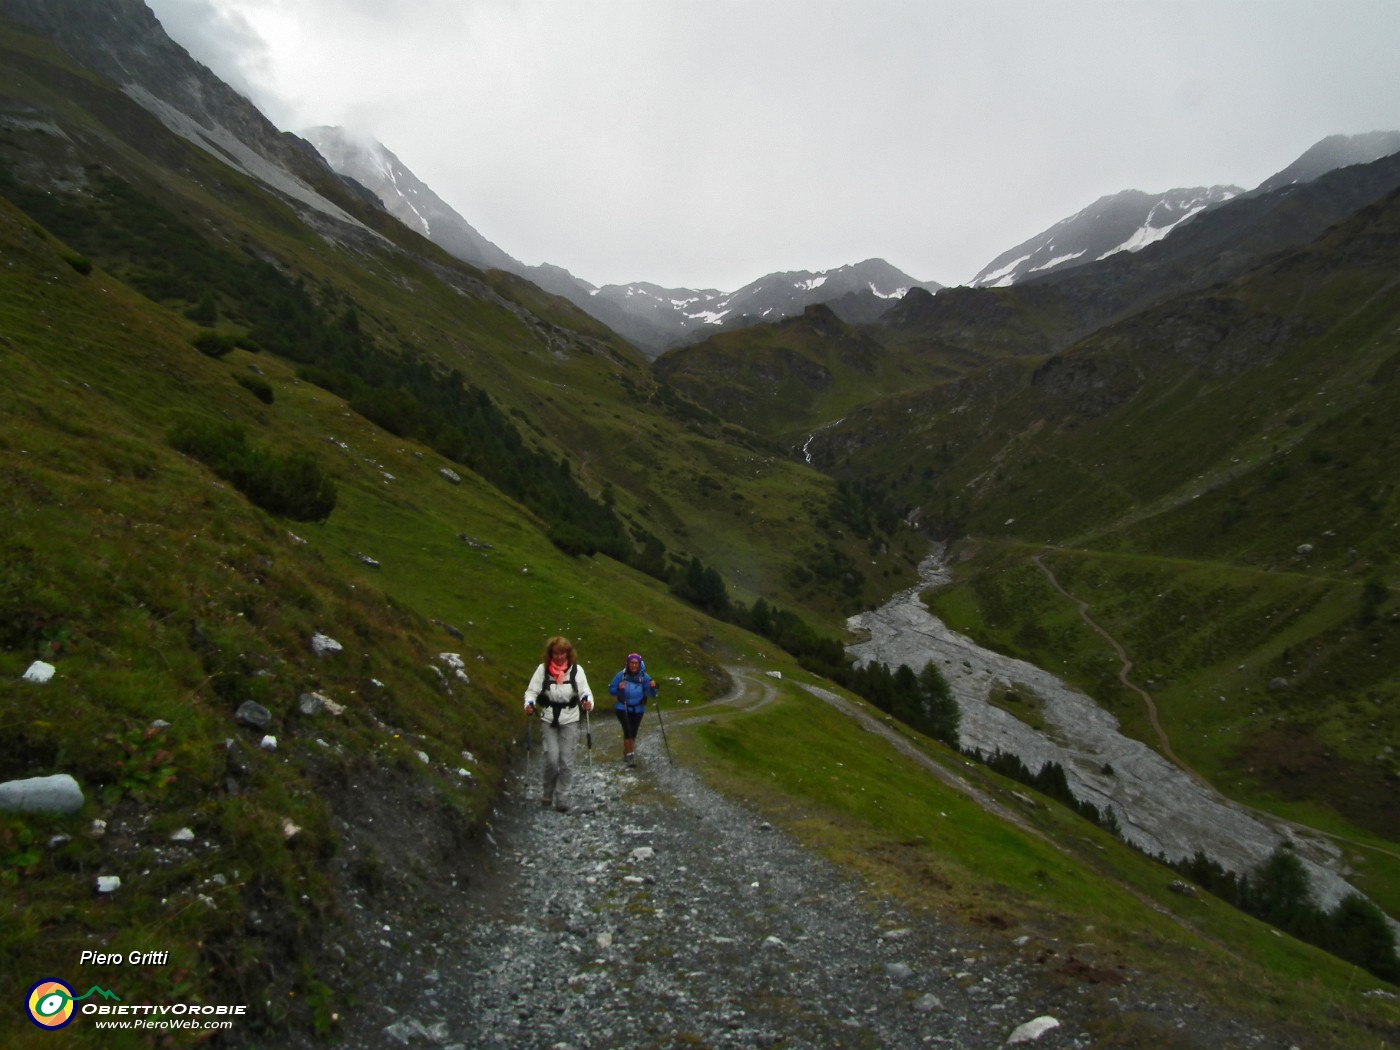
375 167
1335 151
1127 221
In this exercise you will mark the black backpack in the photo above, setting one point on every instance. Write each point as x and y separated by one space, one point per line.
556 706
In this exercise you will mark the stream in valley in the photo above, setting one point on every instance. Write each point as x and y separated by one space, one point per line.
1161 808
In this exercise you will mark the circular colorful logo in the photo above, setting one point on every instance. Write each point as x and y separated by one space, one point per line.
51 1004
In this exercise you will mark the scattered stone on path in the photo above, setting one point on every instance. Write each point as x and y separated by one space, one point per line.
1032 1030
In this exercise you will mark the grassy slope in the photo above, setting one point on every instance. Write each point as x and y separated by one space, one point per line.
573 388
160 593
785 379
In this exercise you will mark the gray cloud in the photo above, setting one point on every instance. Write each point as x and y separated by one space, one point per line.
707 143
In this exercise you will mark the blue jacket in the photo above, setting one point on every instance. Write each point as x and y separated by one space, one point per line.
632 690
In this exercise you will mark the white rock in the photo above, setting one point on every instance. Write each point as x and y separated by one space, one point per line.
928 1003
108 883
643 853
1033 1030
58 793
183 835
268 743
451 475
39 672
322 644
455 662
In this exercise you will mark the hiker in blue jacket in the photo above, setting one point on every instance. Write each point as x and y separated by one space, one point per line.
633 688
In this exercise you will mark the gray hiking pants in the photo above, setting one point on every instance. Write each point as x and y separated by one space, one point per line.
559 743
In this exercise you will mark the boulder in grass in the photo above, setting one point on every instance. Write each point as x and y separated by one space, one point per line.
59 793
253 714
323 645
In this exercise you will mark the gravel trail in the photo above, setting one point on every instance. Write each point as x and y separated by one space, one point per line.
658 914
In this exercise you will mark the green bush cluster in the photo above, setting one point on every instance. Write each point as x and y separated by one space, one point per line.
292 485
214 343
257 386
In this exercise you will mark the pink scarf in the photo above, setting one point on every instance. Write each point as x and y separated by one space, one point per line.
558 669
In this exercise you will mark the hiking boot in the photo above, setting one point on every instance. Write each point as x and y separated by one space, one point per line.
561 807
546 802
630 758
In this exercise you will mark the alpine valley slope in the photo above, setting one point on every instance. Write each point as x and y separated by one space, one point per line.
1195 440
1215 478
291 722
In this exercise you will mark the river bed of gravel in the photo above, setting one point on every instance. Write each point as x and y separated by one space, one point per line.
1161 809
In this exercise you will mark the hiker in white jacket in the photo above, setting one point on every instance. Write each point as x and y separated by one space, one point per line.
557 692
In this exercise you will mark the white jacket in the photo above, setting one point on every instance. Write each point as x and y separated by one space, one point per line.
558 699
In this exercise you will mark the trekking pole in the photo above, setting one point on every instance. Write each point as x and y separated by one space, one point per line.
529 742
588 735
662 724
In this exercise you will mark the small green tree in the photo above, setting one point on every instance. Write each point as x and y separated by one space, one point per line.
1359 933
1279 891
941 713
206 311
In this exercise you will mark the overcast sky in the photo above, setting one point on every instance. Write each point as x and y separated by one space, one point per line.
705 143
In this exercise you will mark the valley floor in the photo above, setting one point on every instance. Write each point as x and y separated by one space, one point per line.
659 914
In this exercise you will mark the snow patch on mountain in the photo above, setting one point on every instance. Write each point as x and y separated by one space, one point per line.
1124 222
1061 259
898 293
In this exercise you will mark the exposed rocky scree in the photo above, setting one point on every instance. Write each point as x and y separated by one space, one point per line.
658 914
